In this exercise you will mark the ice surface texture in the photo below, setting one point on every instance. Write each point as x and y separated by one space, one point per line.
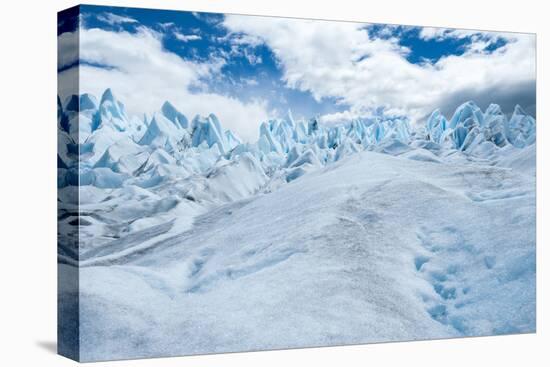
193 241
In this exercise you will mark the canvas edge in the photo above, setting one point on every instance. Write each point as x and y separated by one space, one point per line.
68 292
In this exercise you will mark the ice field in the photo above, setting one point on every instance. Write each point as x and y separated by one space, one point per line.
192 241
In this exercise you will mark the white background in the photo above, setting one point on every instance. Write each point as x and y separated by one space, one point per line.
28 181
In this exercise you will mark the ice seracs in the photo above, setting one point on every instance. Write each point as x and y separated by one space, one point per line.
208 129
436 125
141 151
466 114
520 130
172 114
469 128
281 142
162 133
111 112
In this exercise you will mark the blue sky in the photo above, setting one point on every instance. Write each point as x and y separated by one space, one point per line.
246 75
331 69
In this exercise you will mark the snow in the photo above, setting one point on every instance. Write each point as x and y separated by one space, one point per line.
191 241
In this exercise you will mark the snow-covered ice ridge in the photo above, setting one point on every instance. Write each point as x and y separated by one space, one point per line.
192 241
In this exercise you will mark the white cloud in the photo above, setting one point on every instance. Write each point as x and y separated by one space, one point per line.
143 75
67 49
114 19
340 60
242 45
428 33
339 117
167 25
252 57
171 26
241 39
478 40
249 81
186 37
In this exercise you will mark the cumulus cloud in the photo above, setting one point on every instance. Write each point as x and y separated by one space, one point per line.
143 74
67 49
342 61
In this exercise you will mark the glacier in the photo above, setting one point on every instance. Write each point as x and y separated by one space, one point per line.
193 241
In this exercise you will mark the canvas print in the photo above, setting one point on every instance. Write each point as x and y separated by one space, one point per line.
233 183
